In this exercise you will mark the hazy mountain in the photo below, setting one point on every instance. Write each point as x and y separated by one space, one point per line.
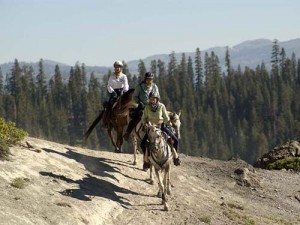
49 68
248 53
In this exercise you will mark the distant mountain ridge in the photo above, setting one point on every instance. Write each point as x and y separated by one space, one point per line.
248 53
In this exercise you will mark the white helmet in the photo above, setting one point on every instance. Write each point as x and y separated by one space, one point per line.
118 63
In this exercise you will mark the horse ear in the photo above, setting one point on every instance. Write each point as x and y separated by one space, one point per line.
179 113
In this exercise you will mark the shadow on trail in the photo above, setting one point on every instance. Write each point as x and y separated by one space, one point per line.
91 186
96 165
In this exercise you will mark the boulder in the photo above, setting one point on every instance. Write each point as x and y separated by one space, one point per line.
288 150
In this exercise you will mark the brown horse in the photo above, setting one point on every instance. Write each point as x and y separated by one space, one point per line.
117 119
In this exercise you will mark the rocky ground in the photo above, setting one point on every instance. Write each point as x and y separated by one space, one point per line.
70 185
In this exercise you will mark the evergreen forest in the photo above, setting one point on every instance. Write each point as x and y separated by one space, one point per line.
225 112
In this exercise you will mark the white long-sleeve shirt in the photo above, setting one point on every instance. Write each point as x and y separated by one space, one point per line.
116 82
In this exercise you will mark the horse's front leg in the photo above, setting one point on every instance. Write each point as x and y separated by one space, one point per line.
109 132
167 182
151 174
119 140
161 192
160 184
166 187
134 146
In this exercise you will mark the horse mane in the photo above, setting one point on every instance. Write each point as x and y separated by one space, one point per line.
127 95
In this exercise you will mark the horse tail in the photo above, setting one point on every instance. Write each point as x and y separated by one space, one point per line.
96 121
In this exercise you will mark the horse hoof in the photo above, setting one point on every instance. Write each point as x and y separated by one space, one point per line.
159 194
166 208
117 150
168 192
151 182
134 163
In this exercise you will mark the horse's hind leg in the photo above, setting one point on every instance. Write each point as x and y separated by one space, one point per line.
151 175
167 182
109 132
134 145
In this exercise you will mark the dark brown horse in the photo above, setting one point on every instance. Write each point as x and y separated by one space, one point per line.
117 119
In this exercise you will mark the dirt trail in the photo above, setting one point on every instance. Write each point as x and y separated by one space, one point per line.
70 185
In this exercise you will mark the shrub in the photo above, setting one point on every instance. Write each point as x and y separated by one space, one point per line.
10 133
287 163
18 183
4 150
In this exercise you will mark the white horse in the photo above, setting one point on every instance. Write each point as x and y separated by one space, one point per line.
138 134
160 156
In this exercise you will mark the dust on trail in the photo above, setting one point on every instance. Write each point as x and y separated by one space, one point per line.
71 185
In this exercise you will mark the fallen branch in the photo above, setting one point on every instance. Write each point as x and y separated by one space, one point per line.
30 147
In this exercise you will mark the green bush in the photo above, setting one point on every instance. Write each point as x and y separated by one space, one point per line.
288 163
10 133
18 183
4 150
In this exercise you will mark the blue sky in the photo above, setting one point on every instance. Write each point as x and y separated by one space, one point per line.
98 32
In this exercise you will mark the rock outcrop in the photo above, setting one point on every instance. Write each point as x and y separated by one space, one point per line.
289 150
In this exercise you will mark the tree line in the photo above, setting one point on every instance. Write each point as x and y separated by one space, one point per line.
225 112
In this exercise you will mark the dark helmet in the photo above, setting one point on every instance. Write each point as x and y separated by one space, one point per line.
154 94
149 75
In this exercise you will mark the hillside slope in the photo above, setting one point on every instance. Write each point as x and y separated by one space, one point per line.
71 185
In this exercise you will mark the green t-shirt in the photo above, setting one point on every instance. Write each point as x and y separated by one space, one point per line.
157 117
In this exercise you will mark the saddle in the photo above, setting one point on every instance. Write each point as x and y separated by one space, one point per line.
169 140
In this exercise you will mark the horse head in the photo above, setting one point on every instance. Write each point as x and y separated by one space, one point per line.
124 103
176 123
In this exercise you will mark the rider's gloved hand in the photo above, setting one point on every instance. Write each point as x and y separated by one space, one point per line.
113 94
141 105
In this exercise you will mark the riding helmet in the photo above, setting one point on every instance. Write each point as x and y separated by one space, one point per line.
149 75
118 63
154 94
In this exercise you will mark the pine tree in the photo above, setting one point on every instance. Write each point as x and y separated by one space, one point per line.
1 82
298 74
41 93
198 72
153 68
93 108
228 62
275 62
142 70
2 112
57 99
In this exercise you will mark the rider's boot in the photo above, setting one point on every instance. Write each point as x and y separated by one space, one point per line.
176 159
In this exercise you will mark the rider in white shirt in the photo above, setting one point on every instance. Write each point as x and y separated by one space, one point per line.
117 82
116 86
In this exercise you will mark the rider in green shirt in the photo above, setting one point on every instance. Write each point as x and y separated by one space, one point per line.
156 113
142 98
